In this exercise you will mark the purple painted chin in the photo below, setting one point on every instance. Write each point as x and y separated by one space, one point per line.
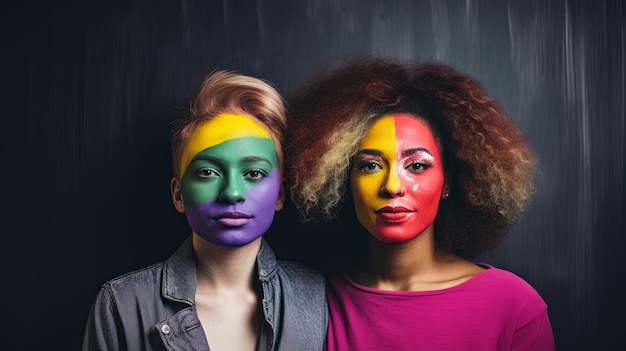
227 231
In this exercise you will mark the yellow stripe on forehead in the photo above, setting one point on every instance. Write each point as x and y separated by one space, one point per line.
381 135
222 127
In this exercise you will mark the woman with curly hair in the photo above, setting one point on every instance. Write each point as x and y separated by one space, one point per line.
437 173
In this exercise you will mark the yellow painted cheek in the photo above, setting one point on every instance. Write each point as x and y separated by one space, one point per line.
366 187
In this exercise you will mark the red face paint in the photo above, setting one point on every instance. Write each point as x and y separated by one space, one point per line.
397 178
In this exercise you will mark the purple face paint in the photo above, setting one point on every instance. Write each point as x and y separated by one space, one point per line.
237 223
231 189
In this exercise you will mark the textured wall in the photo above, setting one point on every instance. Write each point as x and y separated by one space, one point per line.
88 88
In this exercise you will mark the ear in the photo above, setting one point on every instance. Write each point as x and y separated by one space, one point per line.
281 199
445 192
177 195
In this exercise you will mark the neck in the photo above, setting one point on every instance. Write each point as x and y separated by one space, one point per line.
393 261
220 267
398 266
414 265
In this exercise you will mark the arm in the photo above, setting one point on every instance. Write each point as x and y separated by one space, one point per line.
102 331
534 334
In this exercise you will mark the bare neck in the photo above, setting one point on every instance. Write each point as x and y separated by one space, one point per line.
228 294
220 267
414 265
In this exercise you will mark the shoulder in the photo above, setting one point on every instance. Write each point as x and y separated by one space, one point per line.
301 286
181 263
504 279
123 292
287 271
512 296
298 273
130 283
508 287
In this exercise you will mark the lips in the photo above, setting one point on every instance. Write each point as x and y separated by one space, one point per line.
233 219
394 214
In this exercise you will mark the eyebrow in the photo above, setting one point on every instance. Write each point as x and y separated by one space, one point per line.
257 159
370 152
246 159
405 153
415 151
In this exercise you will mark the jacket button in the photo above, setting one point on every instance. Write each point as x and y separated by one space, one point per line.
165 329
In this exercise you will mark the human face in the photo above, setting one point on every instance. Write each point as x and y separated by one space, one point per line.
231 180
397 178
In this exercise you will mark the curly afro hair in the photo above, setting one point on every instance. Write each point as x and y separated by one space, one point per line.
489 164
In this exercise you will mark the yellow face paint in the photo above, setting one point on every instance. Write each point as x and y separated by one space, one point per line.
397 178
217 130
382 138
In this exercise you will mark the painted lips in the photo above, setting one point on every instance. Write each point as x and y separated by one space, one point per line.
394 214
233 219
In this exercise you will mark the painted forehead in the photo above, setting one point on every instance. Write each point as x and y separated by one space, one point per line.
393 128
410 127
217 130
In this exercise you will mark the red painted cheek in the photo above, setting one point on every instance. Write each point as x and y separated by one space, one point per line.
422 191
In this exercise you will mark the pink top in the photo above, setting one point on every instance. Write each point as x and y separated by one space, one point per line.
494 310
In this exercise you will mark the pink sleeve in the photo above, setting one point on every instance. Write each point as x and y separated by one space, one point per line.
535 334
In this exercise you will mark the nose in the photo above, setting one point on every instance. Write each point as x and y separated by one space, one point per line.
392 187
233 191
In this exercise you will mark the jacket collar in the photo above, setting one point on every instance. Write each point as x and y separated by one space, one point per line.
179 271
266 262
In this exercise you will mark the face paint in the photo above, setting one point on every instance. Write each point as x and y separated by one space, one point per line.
397 178
231 185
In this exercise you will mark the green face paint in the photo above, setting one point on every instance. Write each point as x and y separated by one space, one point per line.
231 187
225 172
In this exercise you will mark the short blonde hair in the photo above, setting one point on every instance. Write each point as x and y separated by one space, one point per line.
224 91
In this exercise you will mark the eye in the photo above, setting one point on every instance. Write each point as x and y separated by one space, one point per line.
417 166
255 174
368 166
206 173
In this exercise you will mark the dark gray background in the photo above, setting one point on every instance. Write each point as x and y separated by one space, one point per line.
89 86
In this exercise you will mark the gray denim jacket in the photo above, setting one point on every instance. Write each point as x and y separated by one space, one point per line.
153 308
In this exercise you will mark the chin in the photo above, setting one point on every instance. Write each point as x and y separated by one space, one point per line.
394 238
